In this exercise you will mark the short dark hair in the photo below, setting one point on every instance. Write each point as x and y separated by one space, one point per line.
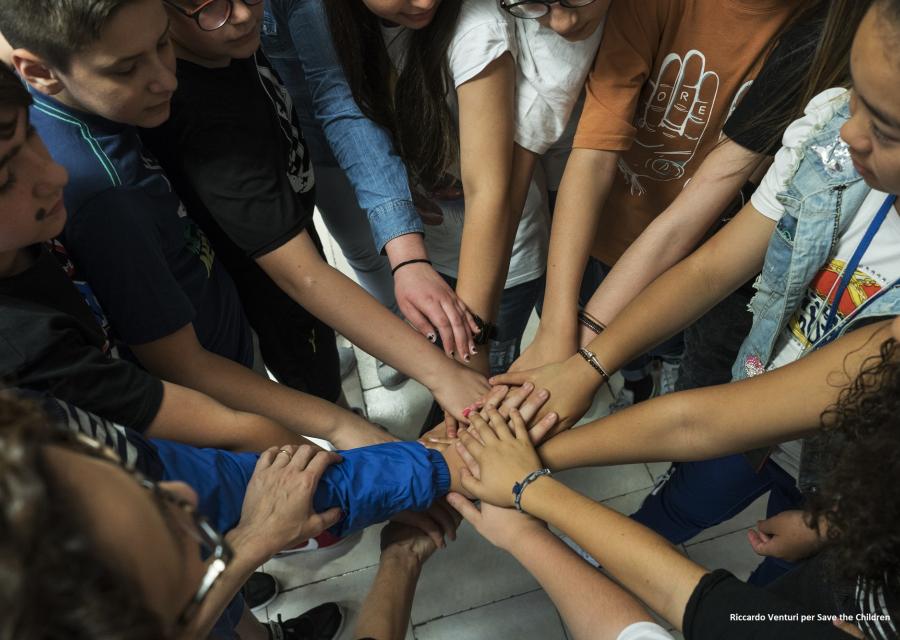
12 94
55 29
54 580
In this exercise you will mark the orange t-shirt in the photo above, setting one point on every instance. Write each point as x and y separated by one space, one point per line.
667 76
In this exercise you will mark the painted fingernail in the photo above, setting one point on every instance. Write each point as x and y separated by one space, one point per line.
466 357
472 349
431 337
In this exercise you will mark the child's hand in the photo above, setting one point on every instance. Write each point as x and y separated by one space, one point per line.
498 455
501 527
786 536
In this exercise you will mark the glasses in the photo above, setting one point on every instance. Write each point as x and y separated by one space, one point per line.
211 14
212 543
539 8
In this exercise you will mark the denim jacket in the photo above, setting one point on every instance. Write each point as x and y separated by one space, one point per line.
820 201
297 41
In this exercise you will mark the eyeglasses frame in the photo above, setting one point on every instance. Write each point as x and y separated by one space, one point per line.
194 14
509 6
222 553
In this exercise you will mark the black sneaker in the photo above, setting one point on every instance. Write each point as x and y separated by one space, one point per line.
321 623
259 590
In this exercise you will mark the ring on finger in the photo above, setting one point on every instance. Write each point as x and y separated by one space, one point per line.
289 454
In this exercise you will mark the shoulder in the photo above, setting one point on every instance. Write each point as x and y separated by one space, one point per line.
89 158
482 34
820 111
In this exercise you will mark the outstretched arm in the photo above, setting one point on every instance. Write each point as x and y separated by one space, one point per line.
592 605
675 300
486 120
192 417
298 269
644 562
677 230
180 358
729 418
366 154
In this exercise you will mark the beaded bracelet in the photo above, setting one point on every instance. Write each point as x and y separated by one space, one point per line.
519 487
591 322
592 360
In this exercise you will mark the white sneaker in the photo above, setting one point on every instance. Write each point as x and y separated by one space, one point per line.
668 376
347 357
625 397
388 376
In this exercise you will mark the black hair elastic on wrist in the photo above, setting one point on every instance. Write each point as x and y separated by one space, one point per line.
591 322
416 261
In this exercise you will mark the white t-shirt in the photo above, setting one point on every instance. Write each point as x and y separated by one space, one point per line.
483 33
880 265
550 75
644 631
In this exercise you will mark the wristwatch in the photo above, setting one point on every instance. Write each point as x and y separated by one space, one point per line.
486 330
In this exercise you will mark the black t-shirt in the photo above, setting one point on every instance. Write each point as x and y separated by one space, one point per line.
788 63
725 608
134 450
234 152
50 342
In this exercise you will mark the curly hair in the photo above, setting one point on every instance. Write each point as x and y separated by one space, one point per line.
857 497
54 581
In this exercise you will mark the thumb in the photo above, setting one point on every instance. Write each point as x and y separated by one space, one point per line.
848 627
759 542
539 431
325 520
511 378
470 485
466 509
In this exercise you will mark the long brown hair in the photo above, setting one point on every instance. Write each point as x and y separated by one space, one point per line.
830 65
413 109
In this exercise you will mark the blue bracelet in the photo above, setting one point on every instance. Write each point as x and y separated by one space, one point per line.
519 487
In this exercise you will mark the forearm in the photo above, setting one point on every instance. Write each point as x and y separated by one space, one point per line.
688 290
592 606
714 421
583 191
409 246
194 418
243 389
487 241
346 307
676 231
385 612
644 562
486 164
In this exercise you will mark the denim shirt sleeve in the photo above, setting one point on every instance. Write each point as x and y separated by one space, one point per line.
362 148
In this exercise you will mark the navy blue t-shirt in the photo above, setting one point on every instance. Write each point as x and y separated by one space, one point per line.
149 265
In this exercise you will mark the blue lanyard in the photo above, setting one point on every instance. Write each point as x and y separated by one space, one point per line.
851 267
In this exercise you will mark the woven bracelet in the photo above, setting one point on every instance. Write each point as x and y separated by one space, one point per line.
519 487
591 322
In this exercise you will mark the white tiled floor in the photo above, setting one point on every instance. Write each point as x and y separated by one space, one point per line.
491 596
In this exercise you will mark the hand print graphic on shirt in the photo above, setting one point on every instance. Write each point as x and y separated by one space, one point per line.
675 106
